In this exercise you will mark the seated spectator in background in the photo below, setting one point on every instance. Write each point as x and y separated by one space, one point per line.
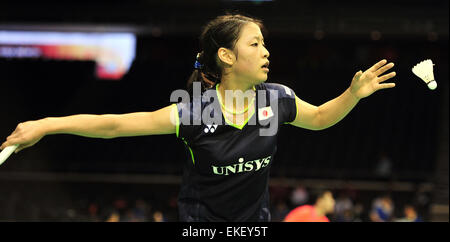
141 210
410 215
113 217
299 196
382 209
324 204
158 216
383 167
343 210
280 211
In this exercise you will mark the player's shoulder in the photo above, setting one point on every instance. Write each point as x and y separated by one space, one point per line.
195 105
282 90
306 208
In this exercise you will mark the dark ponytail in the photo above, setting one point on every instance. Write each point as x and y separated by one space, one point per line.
222 31
205 79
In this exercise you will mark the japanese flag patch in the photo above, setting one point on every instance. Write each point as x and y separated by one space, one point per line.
265 113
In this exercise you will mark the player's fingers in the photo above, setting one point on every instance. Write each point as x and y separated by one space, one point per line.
386 85
12 136
10 140
386 77
384 69
4 145
23 146
9 143
19 148
377 65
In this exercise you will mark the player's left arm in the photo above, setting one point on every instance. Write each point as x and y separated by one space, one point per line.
326 115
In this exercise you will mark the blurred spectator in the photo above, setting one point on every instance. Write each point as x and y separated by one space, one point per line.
299 196
141 210
113 217
120 203
344 208
171 213
421 201
129 216
93 212
71 214
324 204
382 209
383 167
279 193
358 211
410 215
280 211
158 216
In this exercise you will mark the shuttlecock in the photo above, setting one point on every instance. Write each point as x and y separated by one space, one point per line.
424 70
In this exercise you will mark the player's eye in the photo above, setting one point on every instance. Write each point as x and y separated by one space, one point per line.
255 44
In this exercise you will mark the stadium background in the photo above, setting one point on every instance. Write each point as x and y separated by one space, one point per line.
316 47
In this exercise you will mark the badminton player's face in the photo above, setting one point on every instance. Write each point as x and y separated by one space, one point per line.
251 55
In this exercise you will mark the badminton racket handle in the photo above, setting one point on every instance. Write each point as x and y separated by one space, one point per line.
6 152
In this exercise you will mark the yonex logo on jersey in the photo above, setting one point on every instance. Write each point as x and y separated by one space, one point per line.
210 128
253 165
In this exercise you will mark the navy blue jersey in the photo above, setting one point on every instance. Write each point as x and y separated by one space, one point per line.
226 173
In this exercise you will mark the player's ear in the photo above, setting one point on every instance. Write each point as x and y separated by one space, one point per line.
226 56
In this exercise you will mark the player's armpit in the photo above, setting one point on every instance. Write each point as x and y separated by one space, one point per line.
161 121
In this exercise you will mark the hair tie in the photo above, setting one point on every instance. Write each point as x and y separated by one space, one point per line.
197 64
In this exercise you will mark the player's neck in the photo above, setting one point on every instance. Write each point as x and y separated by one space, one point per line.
233 86
231 92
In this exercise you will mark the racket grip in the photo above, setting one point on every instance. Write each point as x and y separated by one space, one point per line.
6 152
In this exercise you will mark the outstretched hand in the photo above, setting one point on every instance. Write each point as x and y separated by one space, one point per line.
25 135
370 81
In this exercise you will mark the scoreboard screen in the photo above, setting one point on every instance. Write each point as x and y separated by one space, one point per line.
113 53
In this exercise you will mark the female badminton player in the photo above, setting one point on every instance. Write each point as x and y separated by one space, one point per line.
227 167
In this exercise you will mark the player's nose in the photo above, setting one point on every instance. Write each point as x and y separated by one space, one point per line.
266 53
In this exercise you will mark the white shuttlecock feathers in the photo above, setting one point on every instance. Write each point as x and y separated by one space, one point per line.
424 70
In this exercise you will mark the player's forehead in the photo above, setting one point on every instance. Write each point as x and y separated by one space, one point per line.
251 31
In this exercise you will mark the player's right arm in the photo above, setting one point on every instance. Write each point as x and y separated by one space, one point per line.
105 126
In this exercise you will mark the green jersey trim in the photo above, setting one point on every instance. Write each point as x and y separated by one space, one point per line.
228 121
177 120
190 150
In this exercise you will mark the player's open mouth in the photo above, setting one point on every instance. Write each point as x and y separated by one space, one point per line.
265 66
